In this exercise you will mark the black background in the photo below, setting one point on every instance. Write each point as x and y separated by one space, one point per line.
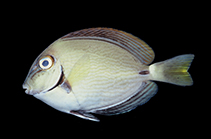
170 31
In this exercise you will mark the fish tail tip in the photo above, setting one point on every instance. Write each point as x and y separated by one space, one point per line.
174 70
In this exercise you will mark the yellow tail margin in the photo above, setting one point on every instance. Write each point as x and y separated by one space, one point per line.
174 70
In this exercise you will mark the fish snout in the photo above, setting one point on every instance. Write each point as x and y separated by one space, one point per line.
28 89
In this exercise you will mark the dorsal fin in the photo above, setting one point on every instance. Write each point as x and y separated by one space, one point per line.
125 40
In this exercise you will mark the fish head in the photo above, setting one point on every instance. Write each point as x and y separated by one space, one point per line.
44 75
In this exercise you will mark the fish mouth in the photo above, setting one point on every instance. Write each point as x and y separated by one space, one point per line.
29 90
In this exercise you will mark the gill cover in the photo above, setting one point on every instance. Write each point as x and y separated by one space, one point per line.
44 75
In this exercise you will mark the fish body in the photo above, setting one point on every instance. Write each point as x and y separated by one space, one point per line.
101 70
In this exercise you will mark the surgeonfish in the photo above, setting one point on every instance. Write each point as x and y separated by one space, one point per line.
101 71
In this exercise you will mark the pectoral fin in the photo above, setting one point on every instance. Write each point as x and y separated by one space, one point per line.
84 115
80 70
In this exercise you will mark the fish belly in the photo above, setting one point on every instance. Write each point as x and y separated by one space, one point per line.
59 99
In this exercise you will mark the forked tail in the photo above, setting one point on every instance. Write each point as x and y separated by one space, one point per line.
174 70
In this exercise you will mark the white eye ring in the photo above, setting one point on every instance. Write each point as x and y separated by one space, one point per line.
46 62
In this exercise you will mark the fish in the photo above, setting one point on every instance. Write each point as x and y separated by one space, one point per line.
101 71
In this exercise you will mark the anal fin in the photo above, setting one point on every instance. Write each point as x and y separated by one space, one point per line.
84 115
147 91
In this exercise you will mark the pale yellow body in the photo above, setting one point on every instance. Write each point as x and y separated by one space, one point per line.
102 71
99 73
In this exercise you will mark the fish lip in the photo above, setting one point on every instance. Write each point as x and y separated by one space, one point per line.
28 89
26 86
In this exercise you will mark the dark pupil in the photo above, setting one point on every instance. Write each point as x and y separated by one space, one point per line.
45 63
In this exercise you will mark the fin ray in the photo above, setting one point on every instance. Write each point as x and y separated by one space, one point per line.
84 115
80 70
148 90
174 70
127 41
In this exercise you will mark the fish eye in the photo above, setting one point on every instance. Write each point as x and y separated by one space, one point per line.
46 62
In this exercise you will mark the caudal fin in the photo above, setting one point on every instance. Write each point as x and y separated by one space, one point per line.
174 70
